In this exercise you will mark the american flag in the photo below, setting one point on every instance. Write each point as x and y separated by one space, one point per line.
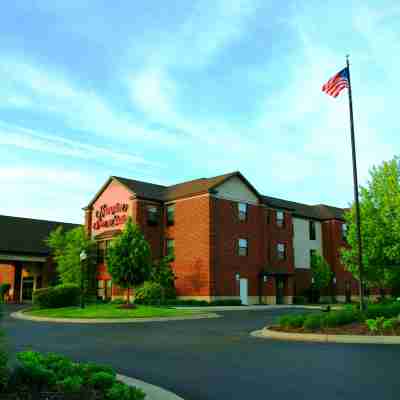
337 83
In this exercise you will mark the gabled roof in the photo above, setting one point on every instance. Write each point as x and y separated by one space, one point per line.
162 193
27 236
320 211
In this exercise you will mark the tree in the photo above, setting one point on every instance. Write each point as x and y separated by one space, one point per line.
162 274
129 258
380 228
66 248
321 272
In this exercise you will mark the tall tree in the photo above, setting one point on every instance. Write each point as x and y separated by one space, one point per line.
128 258
163 274
380 228
66 248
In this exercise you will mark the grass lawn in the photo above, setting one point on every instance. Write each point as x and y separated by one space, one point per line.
109 311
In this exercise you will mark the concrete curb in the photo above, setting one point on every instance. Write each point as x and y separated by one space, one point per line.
21 315
325 338
152 392
271 307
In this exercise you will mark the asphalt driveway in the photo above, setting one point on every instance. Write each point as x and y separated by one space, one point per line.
216 359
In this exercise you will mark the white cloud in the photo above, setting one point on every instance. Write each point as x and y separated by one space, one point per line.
32 140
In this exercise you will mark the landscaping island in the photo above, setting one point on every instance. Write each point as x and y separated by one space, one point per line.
112 311
379 319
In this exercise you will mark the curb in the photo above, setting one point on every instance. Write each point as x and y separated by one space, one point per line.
272 307
21 315
324 338
152 392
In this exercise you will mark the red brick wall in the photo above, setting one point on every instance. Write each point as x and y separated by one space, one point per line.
191 232
7 274
226 230
332 243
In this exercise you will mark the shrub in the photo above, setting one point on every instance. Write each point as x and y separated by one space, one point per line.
102 380
292 321
149 293
70 384
4 288
57 296
119 391
380 310
342 317
313 322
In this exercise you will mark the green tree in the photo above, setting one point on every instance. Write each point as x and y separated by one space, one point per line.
128 258
380 228
163 274
321 272
66 248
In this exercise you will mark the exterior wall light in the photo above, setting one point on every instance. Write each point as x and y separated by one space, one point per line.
265 278
237 276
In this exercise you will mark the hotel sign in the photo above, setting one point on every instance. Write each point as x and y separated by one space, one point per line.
110 216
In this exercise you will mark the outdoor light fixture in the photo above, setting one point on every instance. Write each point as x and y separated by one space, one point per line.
334 280
265 278
312 280
237 276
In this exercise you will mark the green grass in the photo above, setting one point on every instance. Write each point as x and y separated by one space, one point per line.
109 311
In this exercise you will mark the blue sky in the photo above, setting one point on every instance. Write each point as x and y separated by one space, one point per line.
171 91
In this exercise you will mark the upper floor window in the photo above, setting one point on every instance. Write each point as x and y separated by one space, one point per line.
171 214
170 247
242 209
242 247
312 230
344 231
152 215
281 251
280 218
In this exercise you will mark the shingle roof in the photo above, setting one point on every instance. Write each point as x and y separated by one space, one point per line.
203 185
27 236
168 193
319 211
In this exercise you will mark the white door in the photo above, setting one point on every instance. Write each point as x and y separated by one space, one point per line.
243 291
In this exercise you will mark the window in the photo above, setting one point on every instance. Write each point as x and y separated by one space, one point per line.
344 231
242 247
281 251
171 247
152 215
170 214
280 218
312 254
242 209
312 230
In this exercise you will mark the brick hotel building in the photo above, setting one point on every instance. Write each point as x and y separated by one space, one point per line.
228 240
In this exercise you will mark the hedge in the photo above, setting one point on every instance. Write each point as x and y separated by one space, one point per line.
57 296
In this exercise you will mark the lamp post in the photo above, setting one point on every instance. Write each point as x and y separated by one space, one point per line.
82 258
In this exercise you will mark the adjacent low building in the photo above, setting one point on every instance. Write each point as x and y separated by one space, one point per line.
228 240
25 261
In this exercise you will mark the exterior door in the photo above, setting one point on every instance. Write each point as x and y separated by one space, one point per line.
243 291
280 286
27 288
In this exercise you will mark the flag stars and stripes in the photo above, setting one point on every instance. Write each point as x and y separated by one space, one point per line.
337 83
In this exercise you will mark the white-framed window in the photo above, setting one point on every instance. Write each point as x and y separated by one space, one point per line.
242 247
171 214
280 218
170 244
344 231
281 251
152 215
312 230
242 210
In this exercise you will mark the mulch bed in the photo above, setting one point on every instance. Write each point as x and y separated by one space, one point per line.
355 328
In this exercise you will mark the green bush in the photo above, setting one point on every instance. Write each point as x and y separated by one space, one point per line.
381 310
313 322
119 391
342 317
4 288
51 372
57 296
149 293
292 321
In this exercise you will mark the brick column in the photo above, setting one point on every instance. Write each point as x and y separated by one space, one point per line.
88 220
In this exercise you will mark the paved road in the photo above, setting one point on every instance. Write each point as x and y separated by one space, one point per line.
216 359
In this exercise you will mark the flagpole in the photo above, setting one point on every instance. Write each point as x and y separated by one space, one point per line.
356 200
